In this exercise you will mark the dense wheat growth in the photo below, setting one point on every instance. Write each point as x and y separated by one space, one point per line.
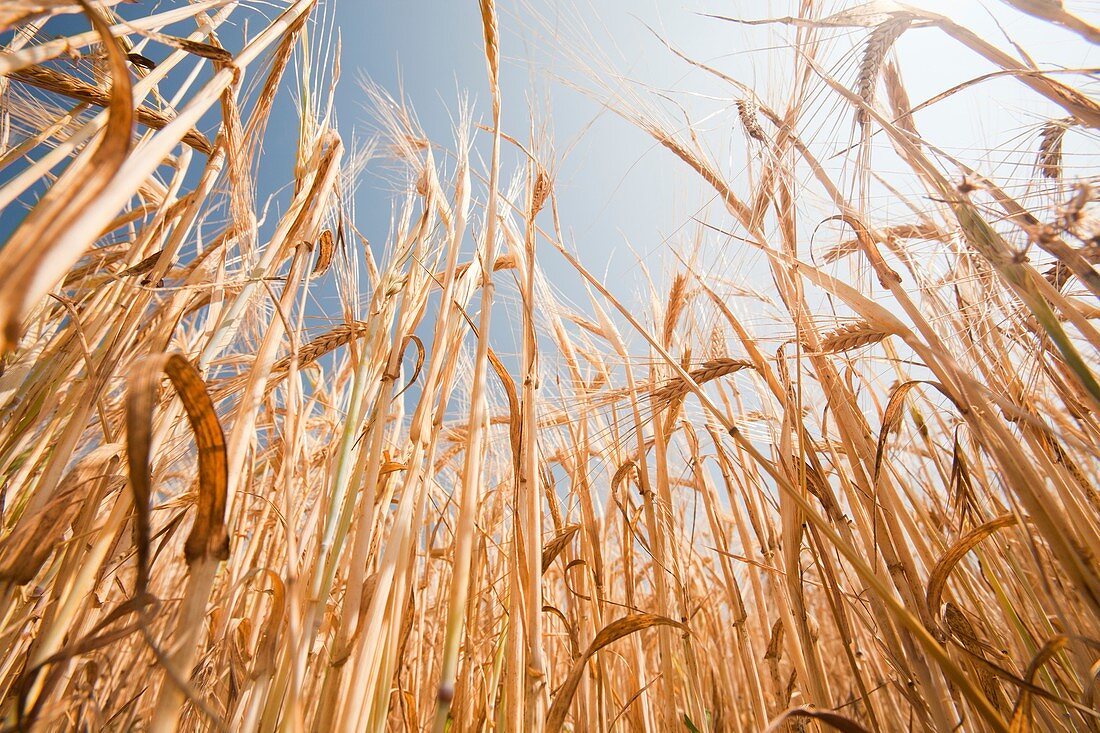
857 490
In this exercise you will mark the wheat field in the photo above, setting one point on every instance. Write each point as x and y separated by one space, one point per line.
858 493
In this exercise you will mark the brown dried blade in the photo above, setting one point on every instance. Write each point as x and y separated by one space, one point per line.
208 537
612 632
938 578
789 720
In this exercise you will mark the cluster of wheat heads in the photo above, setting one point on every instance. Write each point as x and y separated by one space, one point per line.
885 518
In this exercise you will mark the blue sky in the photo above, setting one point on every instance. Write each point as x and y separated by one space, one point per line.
616 185
623 199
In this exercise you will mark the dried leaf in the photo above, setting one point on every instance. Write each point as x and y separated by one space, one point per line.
614 631
326 248
938 578
420 354
829 718
1021 714
142 61
208 537
146 265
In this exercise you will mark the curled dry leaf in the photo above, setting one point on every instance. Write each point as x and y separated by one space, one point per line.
962 632
515 427
268 645
208 538
886 275
938 578
325 249
418 367
833 720
1021 713
614 631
